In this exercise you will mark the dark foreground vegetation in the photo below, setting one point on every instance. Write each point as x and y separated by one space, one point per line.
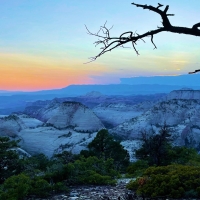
161 171
38 176
165 171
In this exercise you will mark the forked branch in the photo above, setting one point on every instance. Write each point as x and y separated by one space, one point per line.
109 43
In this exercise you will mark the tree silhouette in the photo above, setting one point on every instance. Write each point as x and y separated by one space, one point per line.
9 159
109 43
105 146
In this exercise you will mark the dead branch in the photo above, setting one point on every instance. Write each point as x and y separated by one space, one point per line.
109 43
198 70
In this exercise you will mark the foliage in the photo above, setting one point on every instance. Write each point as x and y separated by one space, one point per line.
19 186
57 172
92 170
104 146
39 162
40 187
9 159
137 168
183 155
60 187
64 157
41 176
15 187
156 147
38 173
172 181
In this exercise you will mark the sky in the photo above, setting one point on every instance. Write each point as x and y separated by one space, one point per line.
44 43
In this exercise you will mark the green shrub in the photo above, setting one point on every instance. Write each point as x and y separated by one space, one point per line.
15 187
40 187
137 168
60 187
172 181
91 177
92 170
57 172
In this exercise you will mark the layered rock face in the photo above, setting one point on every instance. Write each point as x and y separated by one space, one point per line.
185 93
65 126
73 115
9 126
113 114
12 124
181 115
49 140
69 125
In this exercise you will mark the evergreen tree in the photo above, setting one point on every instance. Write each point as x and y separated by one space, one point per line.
156 147
9 159
104 146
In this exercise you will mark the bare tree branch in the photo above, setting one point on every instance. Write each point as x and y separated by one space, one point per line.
110 43
198 70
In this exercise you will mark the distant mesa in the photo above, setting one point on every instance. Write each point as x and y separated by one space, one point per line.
180 80
185 89
185 93
94 94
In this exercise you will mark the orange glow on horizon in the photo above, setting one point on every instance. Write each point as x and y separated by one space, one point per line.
29 73
21 72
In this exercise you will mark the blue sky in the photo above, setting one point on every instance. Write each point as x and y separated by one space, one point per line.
43 43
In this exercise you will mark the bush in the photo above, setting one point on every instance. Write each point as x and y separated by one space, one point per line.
20 186
40 187
60 187
137 168
172 181
15 187
57 172
91 177
92 170
35 165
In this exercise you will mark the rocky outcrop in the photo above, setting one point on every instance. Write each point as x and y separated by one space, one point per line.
49 140
113 114
185 93
68 114
11 125
73 114
101 193
176 113
69 126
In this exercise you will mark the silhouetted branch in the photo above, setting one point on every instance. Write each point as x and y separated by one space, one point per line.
198 70
109 43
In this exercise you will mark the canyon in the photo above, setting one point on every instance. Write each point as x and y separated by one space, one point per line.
70 123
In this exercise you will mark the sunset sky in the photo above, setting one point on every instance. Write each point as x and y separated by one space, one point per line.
44 43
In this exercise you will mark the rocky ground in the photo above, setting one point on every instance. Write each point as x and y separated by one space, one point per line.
101 193
118 192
